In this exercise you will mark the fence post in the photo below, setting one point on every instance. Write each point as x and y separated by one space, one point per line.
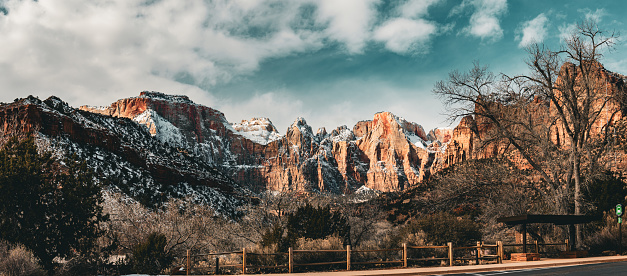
348 257
478 255
243 260
500 251
290 260
187 266
404 254
217 266
567 245
450 253
537 247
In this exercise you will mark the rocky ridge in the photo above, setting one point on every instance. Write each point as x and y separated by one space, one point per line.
126 155
387 153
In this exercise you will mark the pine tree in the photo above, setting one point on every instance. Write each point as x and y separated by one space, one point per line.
52 210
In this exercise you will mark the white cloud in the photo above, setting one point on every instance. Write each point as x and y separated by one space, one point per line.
285 108
409 33
416 8
95 52
484 21
402 35
596 15
349 21
69 47
533 31
567 30
72 47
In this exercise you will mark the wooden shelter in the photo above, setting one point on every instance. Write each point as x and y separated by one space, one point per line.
523 220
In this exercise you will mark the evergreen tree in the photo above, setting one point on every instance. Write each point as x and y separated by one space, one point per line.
150 256
307 222
52 210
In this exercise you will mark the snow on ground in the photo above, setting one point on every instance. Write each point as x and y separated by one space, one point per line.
364 189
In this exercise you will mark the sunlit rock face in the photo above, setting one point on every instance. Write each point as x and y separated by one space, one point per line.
387 153
610 103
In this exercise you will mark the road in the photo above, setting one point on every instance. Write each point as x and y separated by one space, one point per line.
617 268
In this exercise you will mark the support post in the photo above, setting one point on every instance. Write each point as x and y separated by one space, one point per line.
404 254
450 253
524 236
572 238
217 272
537 247
620 237
478 255
567 245
499 251
348 257
188 262
290 260
243 260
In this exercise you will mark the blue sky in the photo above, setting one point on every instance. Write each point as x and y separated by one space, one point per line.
333 62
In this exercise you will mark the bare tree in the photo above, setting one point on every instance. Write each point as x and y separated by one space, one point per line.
577 95
551 117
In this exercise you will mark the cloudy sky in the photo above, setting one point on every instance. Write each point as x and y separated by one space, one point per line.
333 62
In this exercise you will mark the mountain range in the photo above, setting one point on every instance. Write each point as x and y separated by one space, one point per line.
154 146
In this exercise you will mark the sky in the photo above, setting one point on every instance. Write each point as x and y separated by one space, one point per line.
332 62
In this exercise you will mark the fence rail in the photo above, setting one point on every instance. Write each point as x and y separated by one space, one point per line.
477 252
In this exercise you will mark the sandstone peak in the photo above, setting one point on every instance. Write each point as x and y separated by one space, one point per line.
322 131
259 130
300 121
342 133
301 126
196 122
165 97
442 135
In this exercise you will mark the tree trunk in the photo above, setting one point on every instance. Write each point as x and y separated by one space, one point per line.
577 180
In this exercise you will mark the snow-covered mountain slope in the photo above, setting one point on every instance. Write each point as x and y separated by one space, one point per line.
124 154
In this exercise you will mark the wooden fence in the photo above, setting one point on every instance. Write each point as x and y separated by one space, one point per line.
477 254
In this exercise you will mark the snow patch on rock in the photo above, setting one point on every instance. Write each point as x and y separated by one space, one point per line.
160 128
413 131
258 130
165 97
342 133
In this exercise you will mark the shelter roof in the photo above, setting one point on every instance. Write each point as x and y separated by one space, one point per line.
555 219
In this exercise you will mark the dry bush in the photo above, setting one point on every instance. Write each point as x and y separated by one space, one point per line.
186 225
604 238
18 261
76 267
330 243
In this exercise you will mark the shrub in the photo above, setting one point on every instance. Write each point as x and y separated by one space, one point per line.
605 191
315 223
329 243
605 237
306 222
18 261
150 256
441 228
78 266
